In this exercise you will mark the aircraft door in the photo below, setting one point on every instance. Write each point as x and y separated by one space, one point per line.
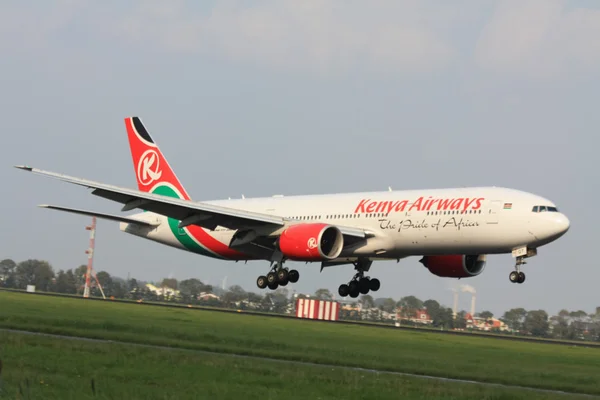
493 211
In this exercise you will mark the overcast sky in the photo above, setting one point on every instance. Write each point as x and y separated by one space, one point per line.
298 97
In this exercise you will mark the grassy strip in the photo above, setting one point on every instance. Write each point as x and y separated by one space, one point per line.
50 368
368 323
515 363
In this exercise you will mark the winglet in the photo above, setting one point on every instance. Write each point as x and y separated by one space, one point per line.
24 167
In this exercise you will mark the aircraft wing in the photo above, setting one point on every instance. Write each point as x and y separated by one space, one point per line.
188 212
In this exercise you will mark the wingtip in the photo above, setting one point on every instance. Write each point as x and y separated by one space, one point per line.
44 205
24 167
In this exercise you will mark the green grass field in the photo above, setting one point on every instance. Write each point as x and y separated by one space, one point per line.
370 323
49 368
574 369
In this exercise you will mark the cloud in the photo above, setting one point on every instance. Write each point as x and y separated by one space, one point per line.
289 34
540 38
30 28
523 38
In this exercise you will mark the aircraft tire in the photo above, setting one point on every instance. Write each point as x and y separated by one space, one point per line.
261 282
293 276
374 284
282 276
353 286
521 277
343 290
514 276
271 278
364 285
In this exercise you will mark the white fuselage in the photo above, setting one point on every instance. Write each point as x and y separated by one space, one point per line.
484 220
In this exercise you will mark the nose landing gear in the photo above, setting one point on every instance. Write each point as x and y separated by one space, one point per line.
518 276
520 254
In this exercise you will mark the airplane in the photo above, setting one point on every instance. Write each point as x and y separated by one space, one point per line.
453 230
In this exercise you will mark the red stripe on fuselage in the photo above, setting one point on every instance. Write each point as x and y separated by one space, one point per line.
213 244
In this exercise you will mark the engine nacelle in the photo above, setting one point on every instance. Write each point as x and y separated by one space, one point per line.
311 242
455 266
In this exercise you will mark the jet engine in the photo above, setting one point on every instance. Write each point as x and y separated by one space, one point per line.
455 266
311 242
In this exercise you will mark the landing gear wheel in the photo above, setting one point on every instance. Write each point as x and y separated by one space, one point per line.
364 285
514 276
293 276
374 284
273 286
354 294
521 278
282 276
344 290
271 278
262 282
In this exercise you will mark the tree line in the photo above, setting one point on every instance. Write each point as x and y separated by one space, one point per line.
574 325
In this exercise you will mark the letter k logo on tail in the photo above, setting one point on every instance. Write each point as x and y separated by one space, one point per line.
148 170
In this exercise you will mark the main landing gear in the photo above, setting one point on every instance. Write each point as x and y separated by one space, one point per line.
278 276
359 284
518 276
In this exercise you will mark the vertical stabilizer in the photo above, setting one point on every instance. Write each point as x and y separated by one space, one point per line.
152 171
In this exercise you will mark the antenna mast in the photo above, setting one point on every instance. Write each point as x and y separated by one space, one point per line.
90 269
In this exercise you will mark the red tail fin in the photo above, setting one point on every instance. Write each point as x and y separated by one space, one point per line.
151 168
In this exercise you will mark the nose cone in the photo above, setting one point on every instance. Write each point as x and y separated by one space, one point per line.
553 226
562 224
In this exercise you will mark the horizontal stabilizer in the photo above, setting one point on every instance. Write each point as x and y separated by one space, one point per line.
172 207
110 217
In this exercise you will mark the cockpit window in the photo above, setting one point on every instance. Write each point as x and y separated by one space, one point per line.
544 209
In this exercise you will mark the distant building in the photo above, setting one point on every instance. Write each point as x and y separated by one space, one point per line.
485 324
162 291
353 306
420 316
